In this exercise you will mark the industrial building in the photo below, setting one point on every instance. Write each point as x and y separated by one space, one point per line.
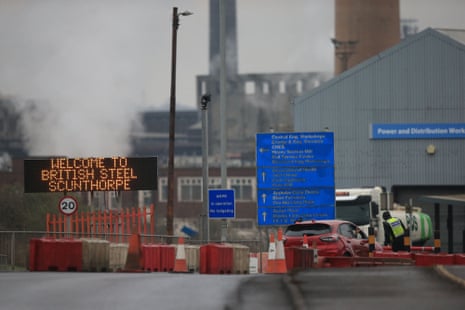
399 121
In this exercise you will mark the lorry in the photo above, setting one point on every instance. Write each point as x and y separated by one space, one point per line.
364 207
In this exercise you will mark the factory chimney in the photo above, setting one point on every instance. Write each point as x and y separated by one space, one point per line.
363 28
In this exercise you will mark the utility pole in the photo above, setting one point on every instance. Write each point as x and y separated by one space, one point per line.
170 202
204 101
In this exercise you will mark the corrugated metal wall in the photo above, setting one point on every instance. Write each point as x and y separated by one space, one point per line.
421 80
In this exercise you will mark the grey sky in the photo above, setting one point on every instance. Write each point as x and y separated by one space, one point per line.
93 63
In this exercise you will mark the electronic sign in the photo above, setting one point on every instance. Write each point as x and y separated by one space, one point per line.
62 174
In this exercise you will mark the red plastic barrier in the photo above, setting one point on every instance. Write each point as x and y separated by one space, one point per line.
459 259
390 254
69 255
216 259
55 255
33 248
427 259
298 258
338 261
151 257
167 257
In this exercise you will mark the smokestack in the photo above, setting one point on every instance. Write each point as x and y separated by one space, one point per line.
231 37
363 29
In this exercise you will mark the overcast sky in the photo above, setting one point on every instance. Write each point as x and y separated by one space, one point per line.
93 63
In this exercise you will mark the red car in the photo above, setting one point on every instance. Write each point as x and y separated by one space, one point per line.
331 237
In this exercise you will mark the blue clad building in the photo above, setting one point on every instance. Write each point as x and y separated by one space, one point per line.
398 119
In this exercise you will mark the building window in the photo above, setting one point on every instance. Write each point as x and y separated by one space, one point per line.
266 88
190 189
163 189
244 188
249 88
214 183
299 87
203 87
282 87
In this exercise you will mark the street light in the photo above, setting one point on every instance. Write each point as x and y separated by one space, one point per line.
204 101
169 207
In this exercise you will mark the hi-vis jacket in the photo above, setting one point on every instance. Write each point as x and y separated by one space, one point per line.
396 227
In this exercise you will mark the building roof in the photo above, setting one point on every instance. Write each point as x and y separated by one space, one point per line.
455 200
456 34
451 37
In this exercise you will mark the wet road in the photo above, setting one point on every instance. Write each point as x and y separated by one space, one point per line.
408 287
379 288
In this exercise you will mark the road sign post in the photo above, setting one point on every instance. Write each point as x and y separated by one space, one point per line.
68 205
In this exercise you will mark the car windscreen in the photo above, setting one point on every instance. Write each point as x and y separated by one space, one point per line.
308 229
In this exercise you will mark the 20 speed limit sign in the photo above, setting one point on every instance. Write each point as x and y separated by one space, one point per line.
68 205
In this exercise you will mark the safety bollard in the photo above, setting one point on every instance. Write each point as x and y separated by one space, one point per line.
407 240
371 241
437 242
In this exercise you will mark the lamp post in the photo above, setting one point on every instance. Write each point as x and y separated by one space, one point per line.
170 207
204 101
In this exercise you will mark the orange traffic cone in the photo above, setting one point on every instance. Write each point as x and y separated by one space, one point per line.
305 244
180 264
133 257
280 262
270 267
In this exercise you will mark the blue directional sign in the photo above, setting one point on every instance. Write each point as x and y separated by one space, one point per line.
288 215
221 204
298 197
295 149
295 177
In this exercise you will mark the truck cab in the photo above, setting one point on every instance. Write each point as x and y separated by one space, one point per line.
364 207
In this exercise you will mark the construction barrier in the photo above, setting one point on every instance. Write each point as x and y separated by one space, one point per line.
390 254
47 254
116 223
298 258
193 257
151 257
258 262
216 259
459 259
346 261
158 257
167 257
427 259
241 258
95 255
253 263
118 255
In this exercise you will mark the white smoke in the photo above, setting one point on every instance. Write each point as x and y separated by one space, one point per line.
82 70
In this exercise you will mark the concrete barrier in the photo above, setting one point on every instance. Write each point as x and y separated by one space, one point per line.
192 257
118 255
95 255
